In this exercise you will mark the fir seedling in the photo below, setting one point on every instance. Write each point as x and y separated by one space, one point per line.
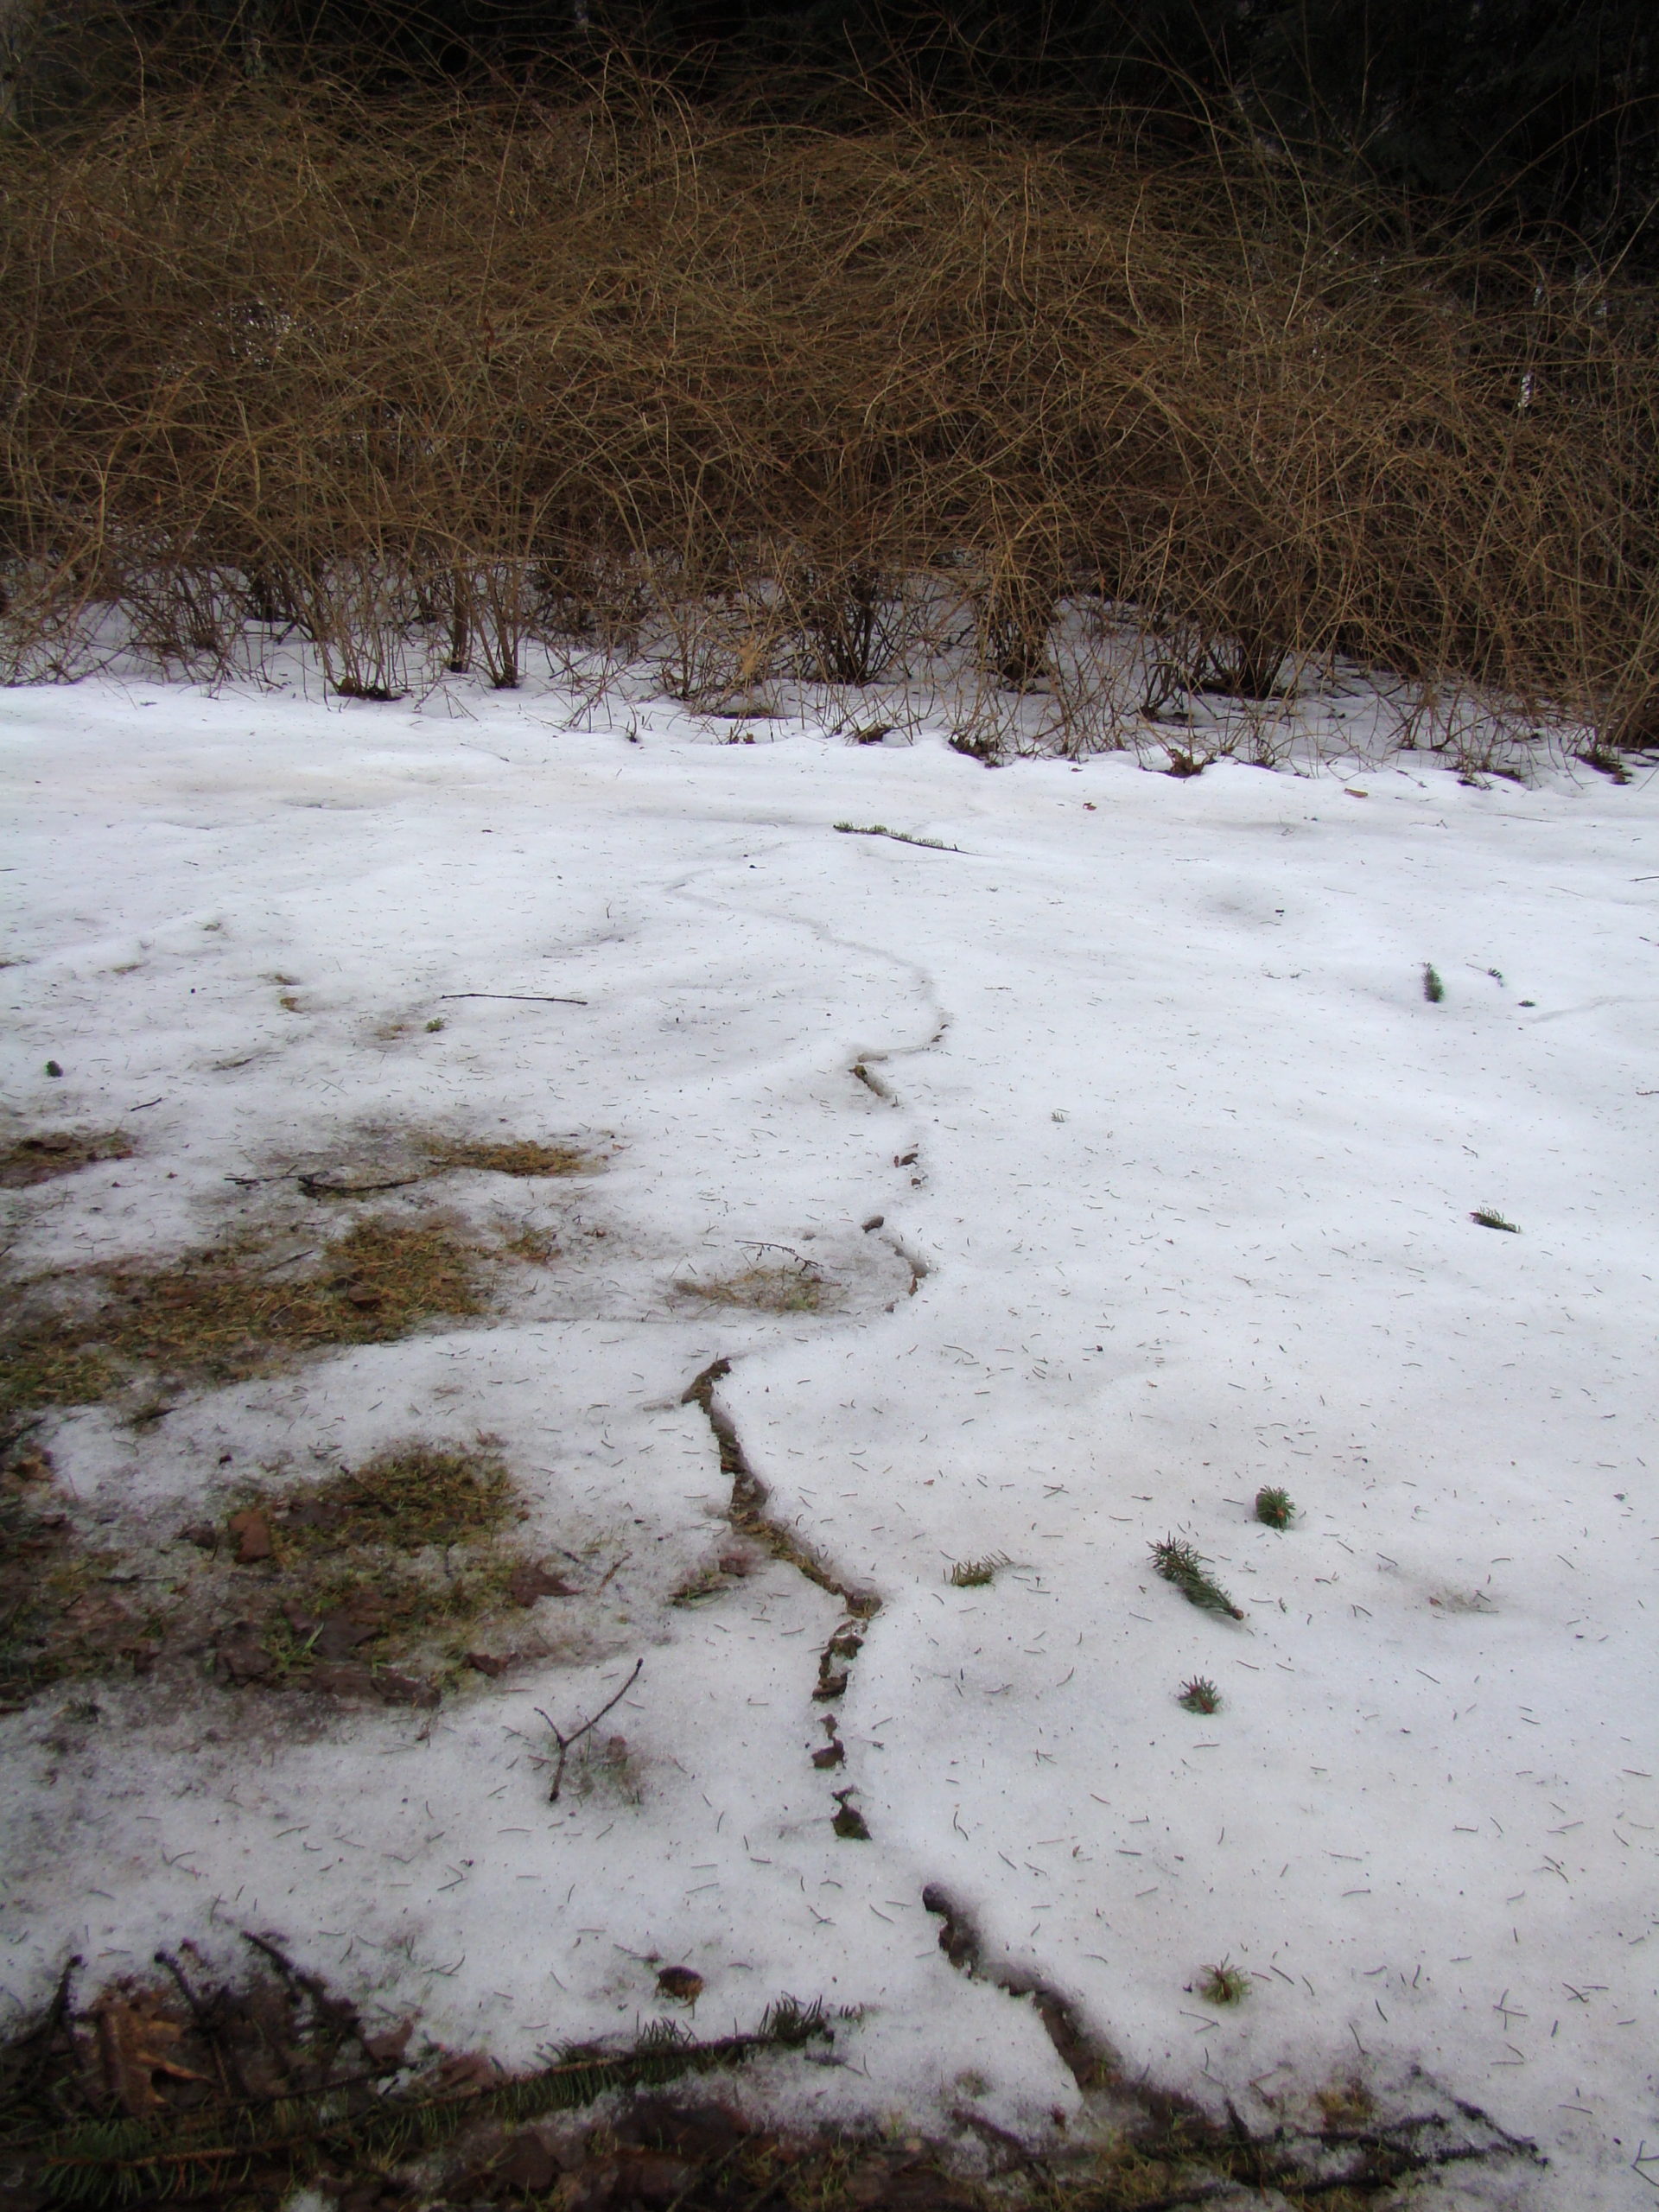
1223 1985
975 1573
1434 989
1273 1507
1489 1219
1176 1560
1200 1695
434 1026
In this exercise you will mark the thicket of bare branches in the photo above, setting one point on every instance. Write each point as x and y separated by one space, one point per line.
435 386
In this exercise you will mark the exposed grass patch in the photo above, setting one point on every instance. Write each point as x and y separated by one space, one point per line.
518 1156
403 1557
61 1615
798 1289
27 1160
42 1364
1274 1507
536 1248
224 1313
1176 1560
405 1499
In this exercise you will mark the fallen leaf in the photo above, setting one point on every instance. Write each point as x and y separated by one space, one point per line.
392 1688
135 2041
250 1532
92 1615
242 1655
530 1581
683 1984
527 2163
341 1634
387 2047
347 1678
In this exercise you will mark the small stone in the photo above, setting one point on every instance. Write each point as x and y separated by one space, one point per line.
53 1068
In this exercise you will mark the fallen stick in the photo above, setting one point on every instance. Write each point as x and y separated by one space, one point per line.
576 1734
519 998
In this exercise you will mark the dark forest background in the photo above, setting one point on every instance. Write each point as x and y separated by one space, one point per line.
1544 111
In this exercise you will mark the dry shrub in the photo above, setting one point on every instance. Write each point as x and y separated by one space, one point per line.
435 386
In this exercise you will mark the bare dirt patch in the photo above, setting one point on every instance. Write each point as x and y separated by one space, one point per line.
798 1286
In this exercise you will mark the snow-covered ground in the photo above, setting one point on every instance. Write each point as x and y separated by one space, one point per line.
1175 1164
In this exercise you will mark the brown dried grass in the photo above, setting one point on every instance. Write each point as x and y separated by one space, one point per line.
51 1153
763 1290
223 1314
439 384
521 1157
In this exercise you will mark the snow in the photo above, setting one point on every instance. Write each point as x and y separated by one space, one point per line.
1188 1212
